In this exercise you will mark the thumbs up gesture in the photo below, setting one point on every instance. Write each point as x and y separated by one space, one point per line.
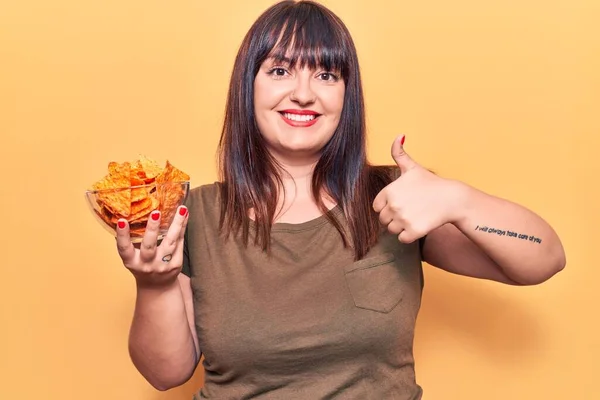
418 201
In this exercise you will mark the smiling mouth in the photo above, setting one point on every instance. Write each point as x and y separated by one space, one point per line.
299 117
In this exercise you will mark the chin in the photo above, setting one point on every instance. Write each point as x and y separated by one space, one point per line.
297 152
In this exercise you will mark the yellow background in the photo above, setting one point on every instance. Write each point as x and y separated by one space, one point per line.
503 95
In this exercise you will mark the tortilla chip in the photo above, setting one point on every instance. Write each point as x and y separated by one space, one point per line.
171 174
169 191
140 193
143 208
149 169
115 195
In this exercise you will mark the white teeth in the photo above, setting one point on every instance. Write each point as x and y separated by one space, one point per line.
299 118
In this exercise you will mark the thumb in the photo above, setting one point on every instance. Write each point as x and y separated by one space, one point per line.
402 159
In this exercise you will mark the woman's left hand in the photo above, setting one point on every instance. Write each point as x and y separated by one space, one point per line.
418 201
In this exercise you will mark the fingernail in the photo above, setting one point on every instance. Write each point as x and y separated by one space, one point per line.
155 215
402 140
121 224
182 211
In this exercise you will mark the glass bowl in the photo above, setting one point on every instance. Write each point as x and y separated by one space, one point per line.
110 205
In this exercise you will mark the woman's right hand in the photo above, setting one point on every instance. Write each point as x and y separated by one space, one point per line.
153 264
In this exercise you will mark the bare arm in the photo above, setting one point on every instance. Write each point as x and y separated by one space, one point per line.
162 342
496 239
468 231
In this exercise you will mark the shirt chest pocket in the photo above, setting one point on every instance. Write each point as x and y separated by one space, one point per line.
375 283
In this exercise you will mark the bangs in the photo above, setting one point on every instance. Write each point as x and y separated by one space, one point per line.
307 35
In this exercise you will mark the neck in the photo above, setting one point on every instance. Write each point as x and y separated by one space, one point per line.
299 168
295 199
296 202
297 178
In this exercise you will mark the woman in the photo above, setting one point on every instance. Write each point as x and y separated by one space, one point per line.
298 275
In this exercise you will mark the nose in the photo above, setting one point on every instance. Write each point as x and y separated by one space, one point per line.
302 92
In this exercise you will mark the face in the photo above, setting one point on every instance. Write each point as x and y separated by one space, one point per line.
297 110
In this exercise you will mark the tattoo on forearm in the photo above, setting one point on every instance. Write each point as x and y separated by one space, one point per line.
512 234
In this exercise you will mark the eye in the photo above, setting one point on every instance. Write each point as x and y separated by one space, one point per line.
328 77
277 72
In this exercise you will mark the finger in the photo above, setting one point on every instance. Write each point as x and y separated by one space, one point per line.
386 216
407 236
169 242
124 245
178 252
402 159
380 201
184 227
149 241
396 227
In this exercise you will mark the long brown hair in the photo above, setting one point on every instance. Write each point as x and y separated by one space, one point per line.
309 34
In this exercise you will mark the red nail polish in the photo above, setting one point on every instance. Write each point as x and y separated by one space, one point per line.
402 140
121 224
182 211
155 215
